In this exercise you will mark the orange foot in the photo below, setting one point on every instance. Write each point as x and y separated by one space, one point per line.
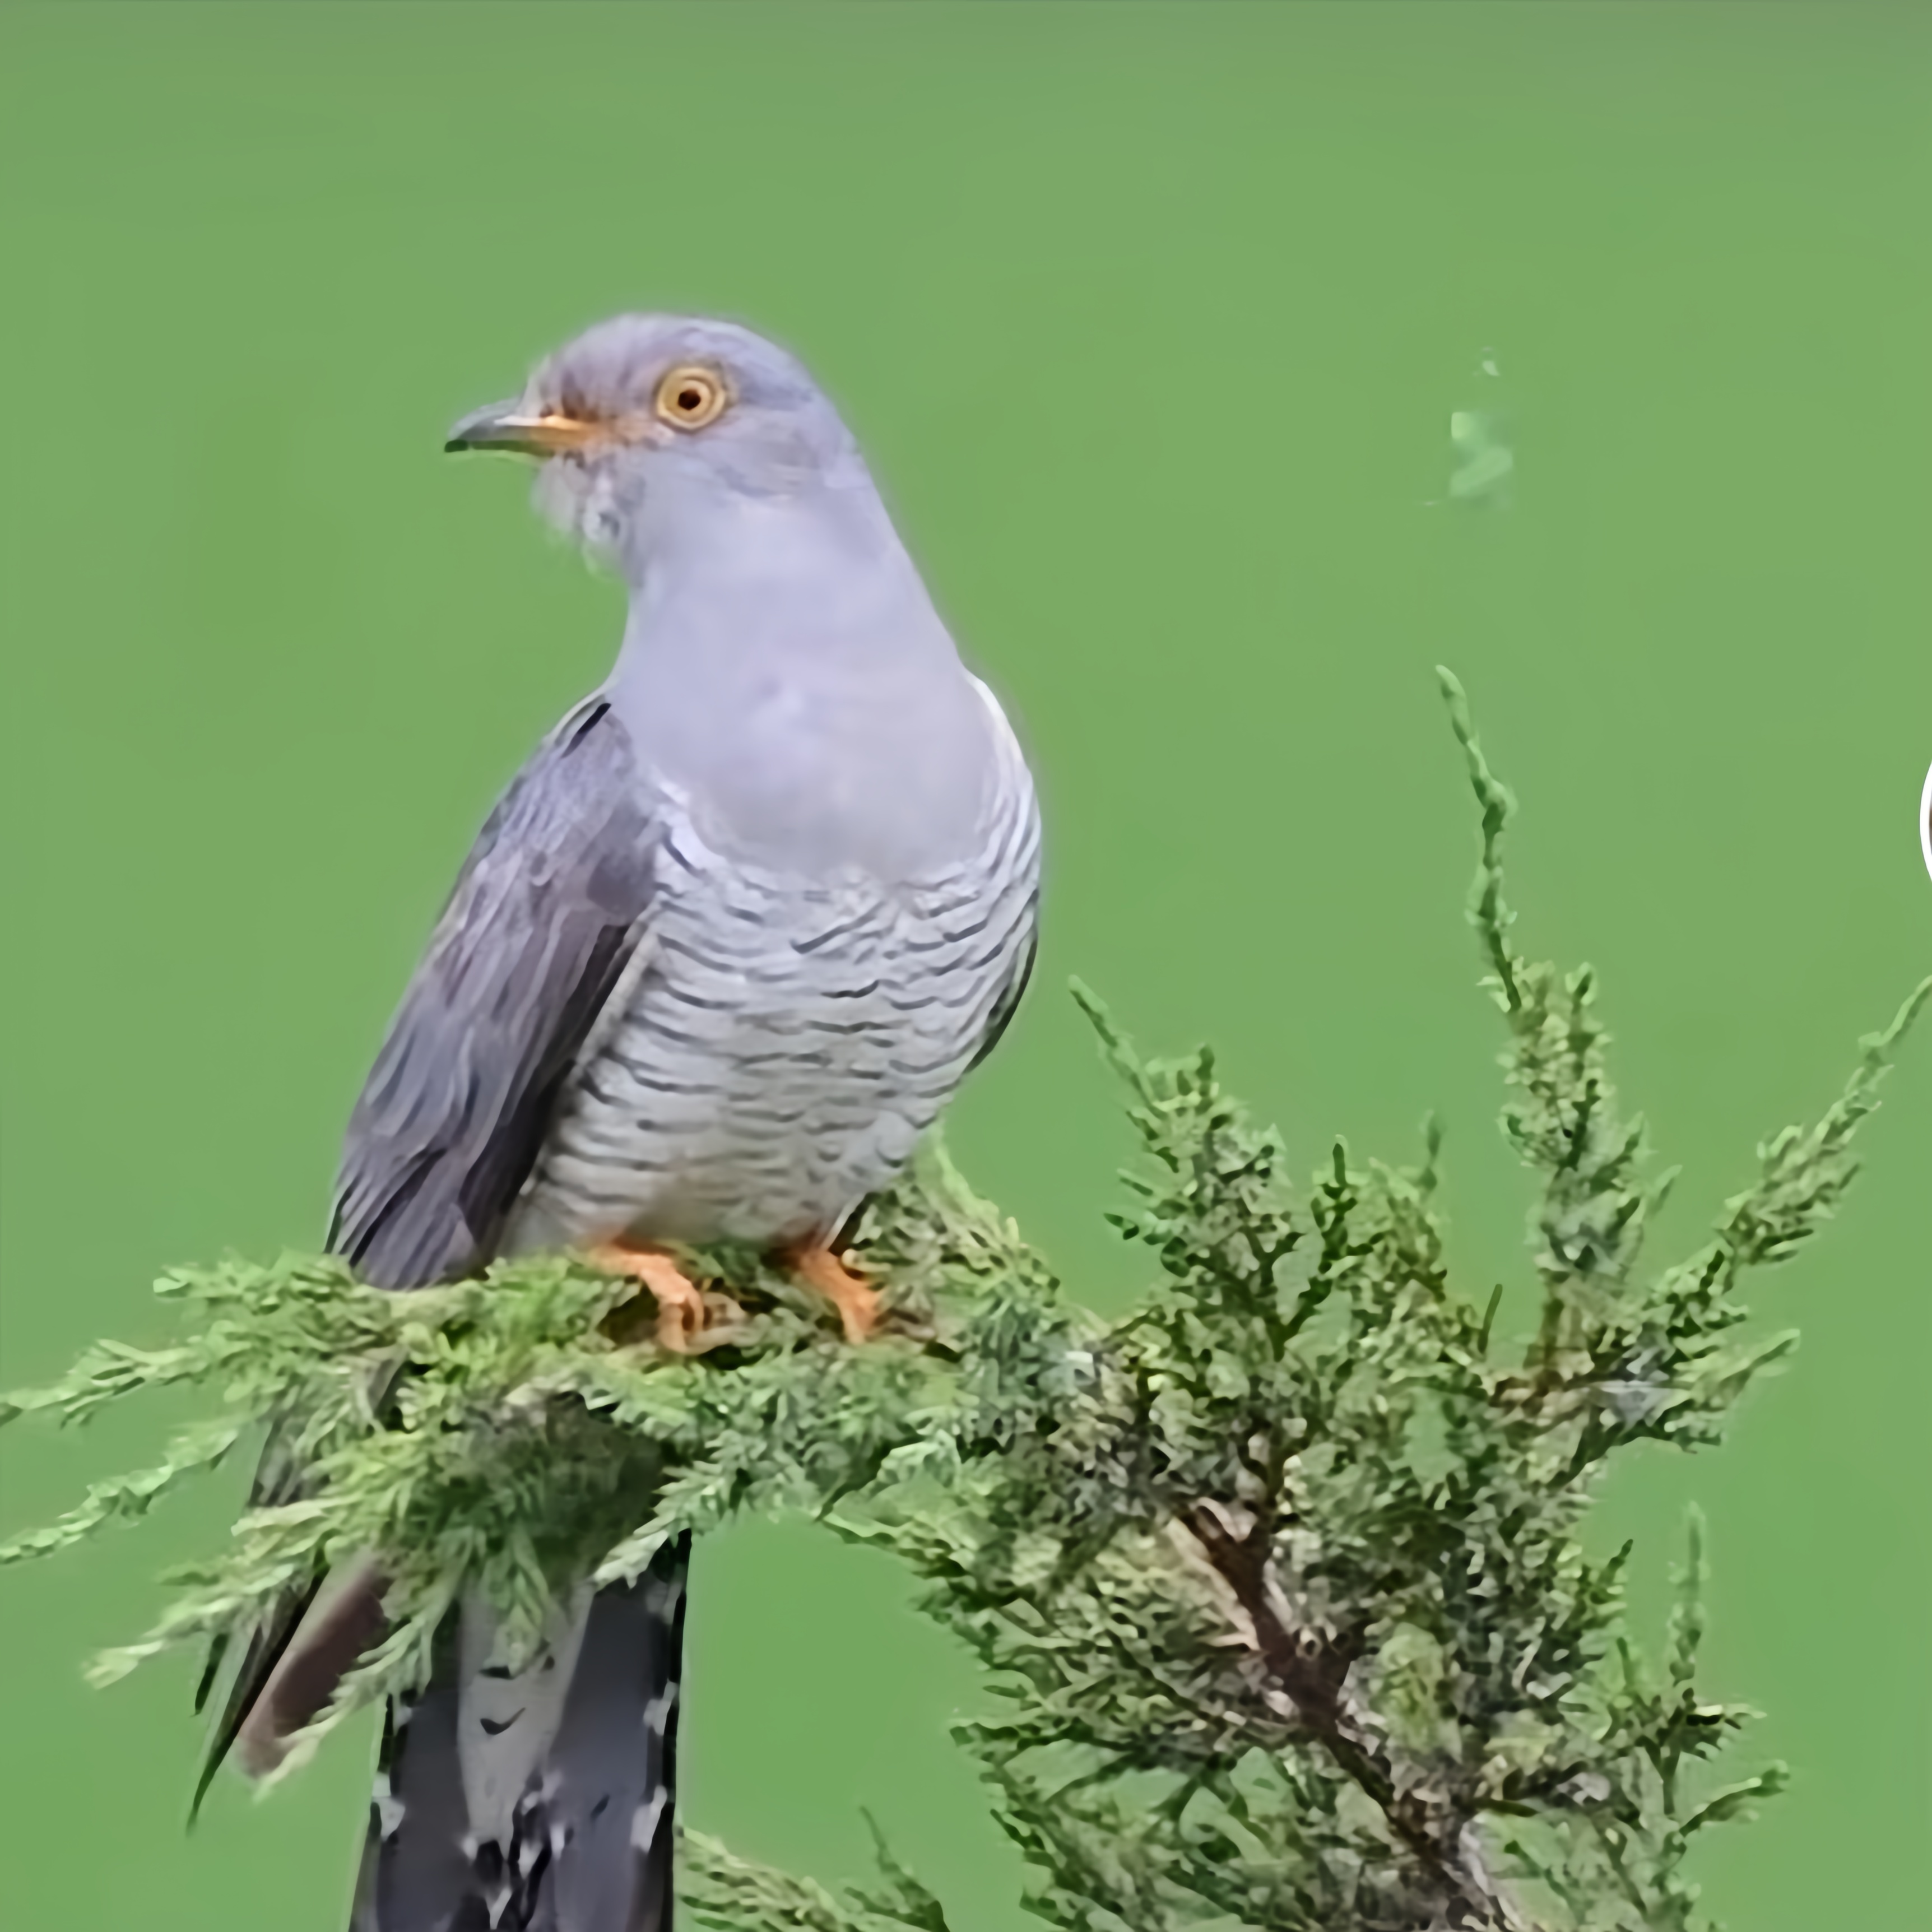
682 1314
818 1267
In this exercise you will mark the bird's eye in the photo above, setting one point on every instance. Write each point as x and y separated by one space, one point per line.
690 398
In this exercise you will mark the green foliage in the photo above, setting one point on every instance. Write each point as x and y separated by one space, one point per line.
1279 1582
501 1435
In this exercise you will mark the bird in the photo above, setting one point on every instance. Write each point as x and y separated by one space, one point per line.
725 947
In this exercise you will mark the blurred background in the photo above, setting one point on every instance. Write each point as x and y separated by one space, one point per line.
1153 321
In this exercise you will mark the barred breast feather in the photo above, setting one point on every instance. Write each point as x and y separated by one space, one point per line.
780 1043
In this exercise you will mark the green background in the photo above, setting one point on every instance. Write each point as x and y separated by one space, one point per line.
1152 320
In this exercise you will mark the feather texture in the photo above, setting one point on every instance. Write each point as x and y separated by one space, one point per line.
790 1036
583 1843
544 919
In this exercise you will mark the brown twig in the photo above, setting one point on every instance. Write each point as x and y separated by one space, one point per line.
1311 1669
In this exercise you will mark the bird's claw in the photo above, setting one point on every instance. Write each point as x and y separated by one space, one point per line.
857 1301
685 1324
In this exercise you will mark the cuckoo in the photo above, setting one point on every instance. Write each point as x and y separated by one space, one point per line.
721 954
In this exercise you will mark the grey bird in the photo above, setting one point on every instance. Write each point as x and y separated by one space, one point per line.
721 954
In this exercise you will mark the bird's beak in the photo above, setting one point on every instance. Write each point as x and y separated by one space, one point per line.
508 426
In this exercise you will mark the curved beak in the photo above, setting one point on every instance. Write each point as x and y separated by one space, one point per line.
505 426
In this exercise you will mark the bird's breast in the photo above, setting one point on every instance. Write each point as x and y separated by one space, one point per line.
783 1043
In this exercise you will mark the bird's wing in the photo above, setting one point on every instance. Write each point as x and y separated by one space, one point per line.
546 915
548 912
1011 993
1015 865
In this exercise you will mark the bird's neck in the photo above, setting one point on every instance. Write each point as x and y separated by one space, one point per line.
783 664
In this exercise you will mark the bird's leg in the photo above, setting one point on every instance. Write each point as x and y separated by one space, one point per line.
682 1314
818 1267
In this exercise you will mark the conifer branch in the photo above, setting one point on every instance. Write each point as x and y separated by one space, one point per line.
1279 1582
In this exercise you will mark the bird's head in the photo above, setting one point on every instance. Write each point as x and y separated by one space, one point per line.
648 413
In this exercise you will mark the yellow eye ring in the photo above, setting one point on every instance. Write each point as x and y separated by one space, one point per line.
690 398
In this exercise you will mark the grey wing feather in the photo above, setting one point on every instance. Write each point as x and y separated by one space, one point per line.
542 922
1008 1003
545 916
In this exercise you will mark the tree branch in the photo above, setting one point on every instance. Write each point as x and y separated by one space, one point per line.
1312 1669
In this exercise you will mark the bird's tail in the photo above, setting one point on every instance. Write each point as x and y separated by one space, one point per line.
539 1801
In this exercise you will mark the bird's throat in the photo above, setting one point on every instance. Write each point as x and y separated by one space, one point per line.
818 718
